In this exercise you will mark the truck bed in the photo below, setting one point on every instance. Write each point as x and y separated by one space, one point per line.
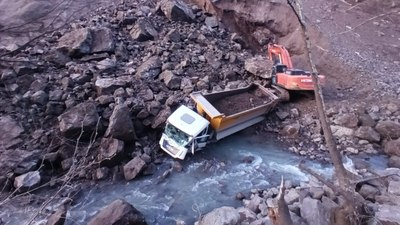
252 98
232 110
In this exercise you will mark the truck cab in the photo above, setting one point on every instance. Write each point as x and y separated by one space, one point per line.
185 130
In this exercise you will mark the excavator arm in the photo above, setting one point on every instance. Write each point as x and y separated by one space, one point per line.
279 55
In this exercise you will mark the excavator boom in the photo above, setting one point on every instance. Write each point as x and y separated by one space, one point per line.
279 55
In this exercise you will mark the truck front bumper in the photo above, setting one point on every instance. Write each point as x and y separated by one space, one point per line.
169 146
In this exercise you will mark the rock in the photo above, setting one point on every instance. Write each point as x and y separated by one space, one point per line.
392 107
292 196
82 118
171 81
393 187
27 181
259 66
388 129
149 69
9 130
58 217
121 125
66 164
153 108
394 161
316 192
107 86
106 65
240 196
161 118
291 130
366 120
262 221
173 36
282 115
221 216
103 40
392 147
254 203
340 131
186 85
40 97
368 192
133 168
313 212
118 212
246 215
367 133
101 173
143 31
77 42
176 10
111 152
387 215
347 120
211 22
55 108
59 57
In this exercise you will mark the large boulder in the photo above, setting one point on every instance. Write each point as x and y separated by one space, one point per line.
77 42
368 191
388 129
313 212
19 161
119 212
259 66
143 31
367 133
394 161
347 120
393 187
149 69
387 215
161 118
121 125
171 80
27 181
340 131
133 168
103 40
9 130
221 216
176 10
393 147
105 86
79 121
111 152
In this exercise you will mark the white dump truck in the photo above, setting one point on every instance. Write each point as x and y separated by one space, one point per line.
217 115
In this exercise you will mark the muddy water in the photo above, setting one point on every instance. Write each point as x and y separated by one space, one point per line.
209 179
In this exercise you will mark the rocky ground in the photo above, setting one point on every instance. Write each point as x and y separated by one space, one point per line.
88 101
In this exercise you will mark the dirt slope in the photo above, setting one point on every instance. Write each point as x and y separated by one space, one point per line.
355 44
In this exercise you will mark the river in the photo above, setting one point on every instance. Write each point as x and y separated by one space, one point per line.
209 179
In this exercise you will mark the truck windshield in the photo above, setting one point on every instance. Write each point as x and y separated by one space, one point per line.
177 135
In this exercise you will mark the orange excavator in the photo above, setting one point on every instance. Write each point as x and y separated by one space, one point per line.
283 73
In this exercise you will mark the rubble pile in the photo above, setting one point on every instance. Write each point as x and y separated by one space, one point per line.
109 81
315 203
